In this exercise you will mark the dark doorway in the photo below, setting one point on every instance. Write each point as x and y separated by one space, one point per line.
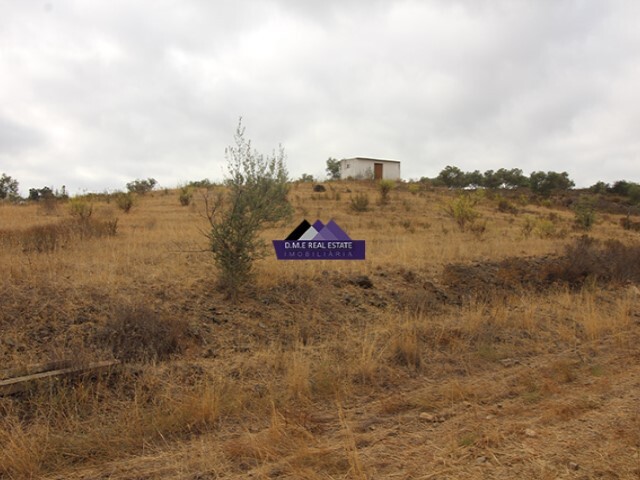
377 171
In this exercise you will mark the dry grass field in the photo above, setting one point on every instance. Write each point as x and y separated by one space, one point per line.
509 349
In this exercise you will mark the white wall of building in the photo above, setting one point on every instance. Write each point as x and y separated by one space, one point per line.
363 168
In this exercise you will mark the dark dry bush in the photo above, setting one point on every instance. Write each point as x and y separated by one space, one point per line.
629 224
584 260
44 238
52 237
609 261
138 333
94 228
505 206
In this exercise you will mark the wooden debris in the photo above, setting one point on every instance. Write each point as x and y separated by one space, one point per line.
27 376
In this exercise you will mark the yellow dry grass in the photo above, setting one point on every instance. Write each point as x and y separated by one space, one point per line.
310 375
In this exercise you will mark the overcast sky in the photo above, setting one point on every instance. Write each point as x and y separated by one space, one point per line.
94 94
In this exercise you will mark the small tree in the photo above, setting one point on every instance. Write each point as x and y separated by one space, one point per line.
8 187
452 177
545 183
599 187
44 193
634 193
333 169
256 196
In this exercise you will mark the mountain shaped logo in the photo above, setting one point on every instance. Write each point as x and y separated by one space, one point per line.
318 231
318 241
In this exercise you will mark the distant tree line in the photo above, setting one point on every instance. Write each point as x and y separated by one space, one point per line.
47 193
621 187
539 182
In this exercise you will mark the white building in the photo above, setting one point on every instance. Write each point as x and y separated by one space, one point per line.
373 168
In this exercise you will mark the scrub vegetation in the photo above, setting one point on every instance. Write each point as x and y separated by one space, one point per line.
446 354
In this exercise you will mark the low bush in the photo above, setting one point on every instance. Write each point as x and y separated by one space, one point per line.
138 333
414 188
610 261
462 211
546 228
95 228
360 202
385 187
585 214
528 226
186 195
125 201
44 238
80 208
628 224
505 206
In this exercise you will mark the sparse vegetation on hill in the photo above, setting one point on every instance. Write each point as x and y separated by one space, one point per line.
445 352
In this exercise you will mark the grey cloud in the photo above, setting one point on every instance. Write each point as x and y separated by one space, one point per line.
120 90
16 137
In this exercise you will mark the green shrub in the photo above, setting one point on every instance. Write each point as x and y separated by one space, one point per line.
462 211
634 193
125 201
80 208
413 188
360 202
585 214
384 187
186 195
546 228
528 226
